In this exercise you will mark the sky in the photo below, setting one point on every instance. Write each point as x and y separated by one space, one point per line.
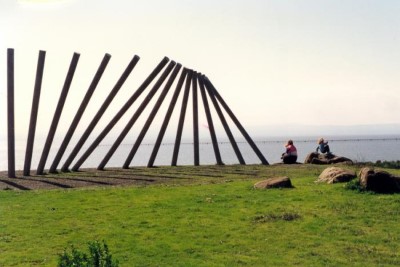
281 65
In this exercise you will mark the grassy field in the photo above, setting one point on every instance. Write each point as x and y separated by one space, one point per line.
208 216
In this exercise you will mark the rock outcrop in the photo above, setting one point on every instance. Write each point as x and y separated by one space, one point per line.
317 158
379 181
277 182
336 175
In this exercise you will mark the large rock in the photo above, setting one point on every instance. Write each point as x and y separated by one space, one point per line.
379 181
336 175
317 158
277 182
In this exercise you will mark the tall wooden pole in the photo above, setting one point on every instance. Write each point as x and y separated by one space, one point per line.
135 116
79 113
236 121
224 122
153 113
196 146
121 112
167 118
10 113
181 119
100 112
34 112
57 113
210 122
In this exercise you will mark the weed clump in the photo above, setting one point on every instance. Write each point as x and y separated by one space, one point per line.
99 256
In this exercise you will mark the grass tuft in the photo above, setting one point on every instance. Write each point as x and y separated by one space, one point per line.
286 216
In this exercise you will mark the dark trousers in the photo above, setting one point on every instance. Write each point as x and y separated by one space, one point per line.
288 159
325 149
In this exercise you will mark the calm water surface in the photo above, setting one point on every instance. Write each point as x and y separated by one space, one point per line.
357 148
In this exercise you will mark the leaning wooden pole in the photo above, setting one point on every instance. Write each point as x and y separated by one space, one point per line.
100 112
167 118
210 122
224 123
152 115
79 113
57 113
10 113
236 121
34 112
121 112
181 119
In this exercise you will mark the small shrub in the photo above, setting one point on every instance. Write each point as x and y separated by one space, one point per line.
354 185
99 256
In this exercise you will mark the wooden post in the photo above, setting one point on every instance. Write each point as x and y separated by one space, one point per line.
34 112
153 113
224 123
181 119
57 113
10 113
167 118
121 112
196 149
236 121
100 112
210 122
79 113
136 115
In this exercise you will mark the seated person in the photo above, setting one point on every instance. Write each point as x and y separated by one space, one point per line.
290 156
323 146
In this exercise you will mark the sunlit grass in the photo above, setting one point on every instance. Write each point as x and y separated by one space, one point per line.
215 220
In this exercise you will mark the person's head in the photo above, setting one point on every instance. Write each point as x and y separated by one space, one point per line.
289 142
321 140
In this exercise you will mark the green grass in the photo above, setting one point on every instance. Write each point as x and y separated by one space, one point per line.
215 220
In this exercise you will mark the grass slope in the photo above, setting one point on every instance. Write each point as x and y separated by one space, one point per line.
212 218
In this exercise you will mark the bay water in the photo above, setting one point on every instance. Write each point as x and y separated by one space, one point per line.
357 148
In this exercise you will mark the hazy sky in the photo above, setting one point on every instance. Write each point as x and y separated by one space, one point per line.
275 62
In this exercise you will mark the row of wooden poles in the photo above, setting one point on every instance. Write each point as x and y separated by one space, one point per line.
189 79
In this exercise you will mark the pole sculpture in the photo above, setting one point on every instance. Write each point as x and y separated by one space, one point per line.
193 80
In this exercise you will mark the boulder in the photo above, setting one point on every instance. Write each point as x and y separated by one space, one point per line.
276 182
318 158
379 181
336 175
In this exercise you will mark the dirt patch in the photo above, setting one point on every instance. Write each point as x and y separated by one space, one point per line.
85 178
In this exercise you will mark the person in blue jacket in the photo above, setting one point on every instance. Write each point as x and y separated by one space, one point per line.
323 146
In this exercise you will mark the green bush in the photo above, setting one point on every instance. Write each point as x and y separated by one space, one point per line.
388 164
99 256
